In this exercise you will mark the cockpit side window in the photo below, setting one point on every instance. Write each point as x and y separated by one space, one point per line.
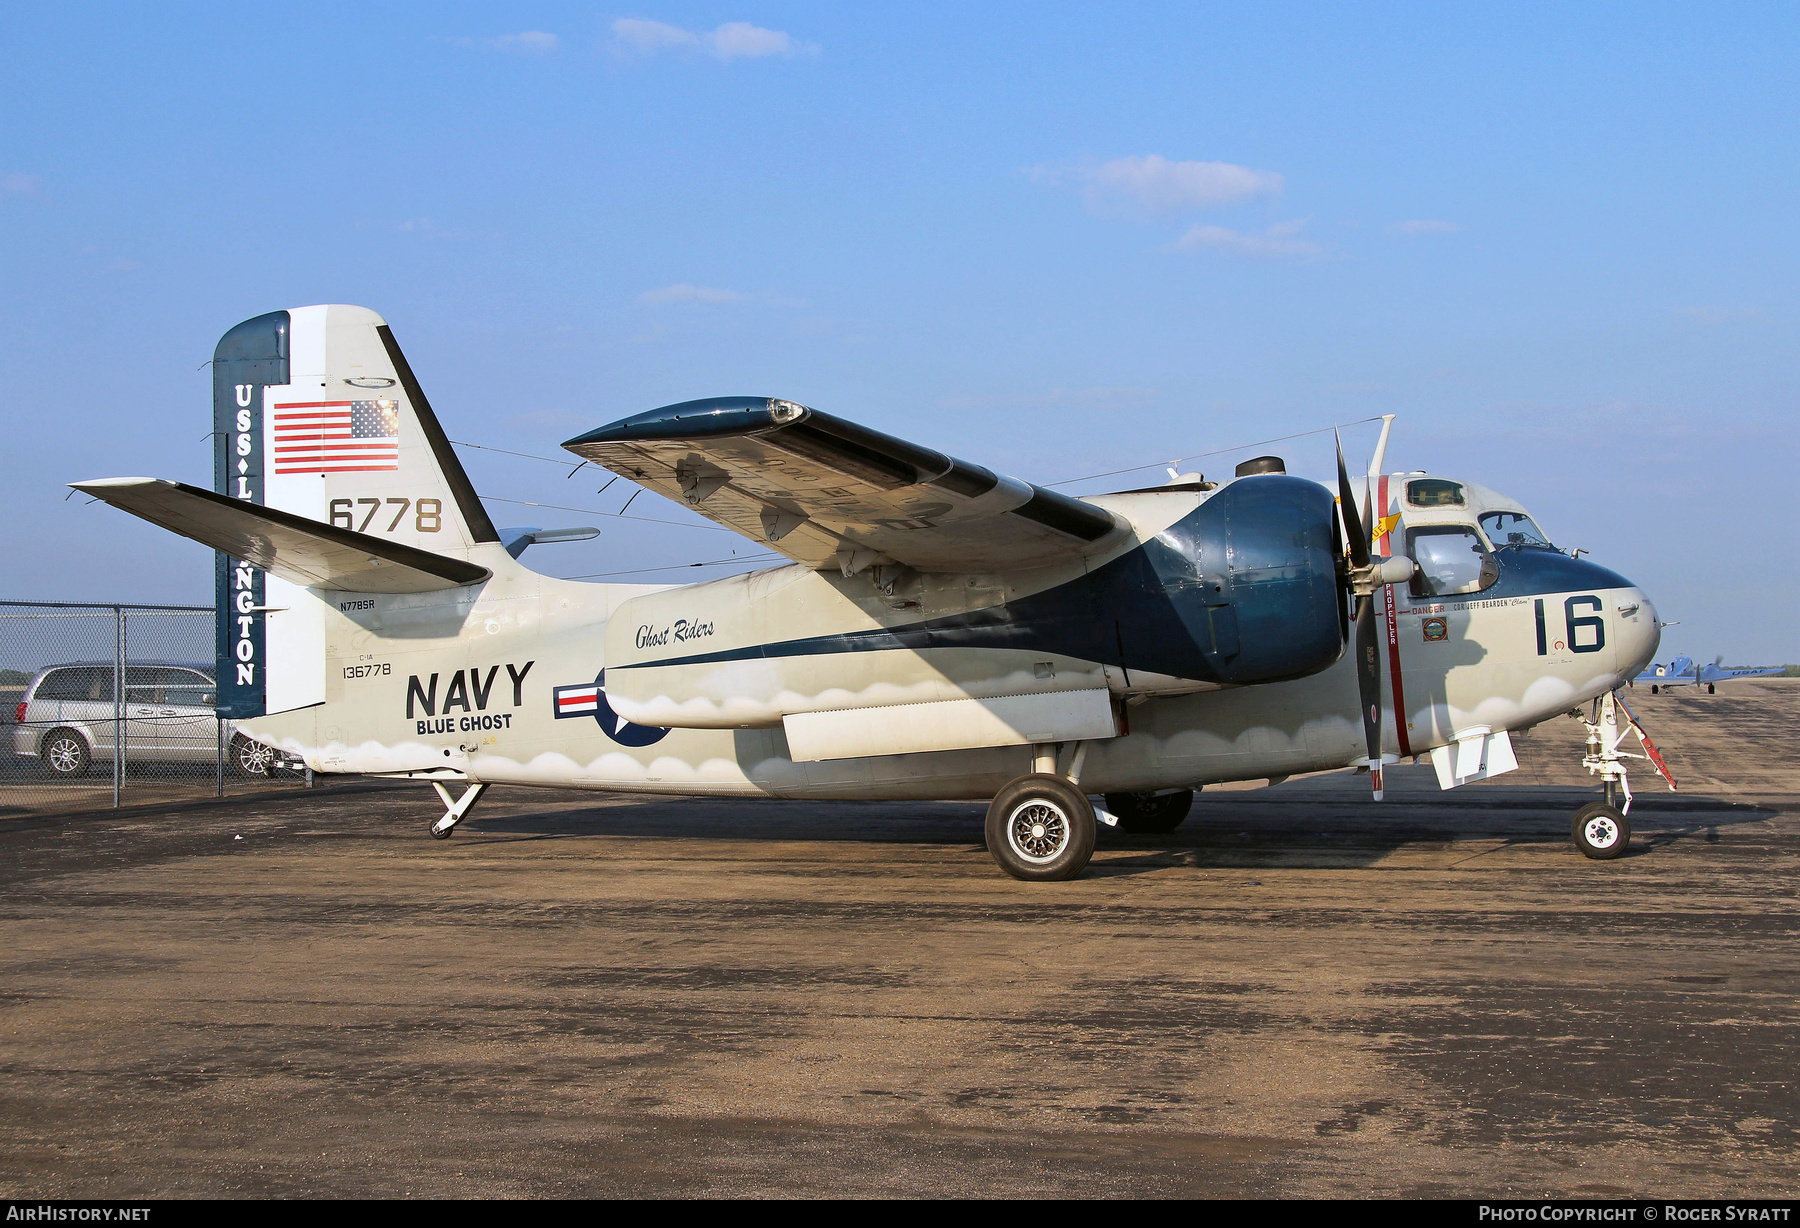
1451 559
1514 529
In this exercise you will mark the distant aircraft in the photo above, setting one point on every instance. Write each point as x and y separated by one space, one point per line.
1683 672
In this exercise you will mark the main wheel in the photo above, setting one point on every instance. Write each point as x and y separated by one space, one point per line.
253 758
66 752
1041 828
1149 812
1600 831
1711 689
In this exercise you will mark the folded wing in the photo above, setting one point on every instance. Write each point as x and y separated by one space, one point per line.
826 492
299 550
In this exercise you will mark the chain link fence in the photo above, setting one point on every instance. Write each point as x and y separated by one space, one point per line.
112 705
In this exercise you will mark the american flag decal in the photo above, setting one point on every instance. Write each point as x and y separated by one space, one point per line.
336 436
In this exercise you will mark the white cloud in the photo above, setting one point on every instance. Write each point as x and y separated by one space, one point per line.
21 185
1155 184
1423 226
735 40
685 293
649 37
1281 241
741 40
527 42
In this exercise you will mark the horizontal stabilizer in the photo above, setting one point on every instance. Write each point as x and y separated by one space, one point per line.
295 548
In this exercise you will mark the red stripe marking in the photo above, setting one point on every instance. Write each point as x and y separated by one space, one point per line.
334 446
1393 637
297 457
323 458
1392 612
338 469
311 404
1381 506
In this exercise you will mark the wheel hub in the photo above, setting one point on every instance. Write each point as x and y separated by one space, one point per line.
1602 832
1038 830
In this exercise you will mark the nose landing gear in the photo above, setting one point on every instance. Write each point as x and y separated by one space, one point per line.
1602 830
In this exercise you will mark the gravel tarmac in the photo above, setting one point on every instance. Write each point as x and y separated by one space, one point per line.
1297 993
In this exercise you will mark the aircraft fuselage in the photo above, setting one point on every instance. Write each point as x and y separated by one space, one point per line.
505 682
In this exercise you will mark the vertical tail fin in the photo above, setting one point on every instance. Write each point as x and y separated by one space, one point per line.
316 412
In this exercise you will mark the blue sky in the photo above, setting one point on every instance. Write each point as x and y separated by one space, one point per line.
1558 241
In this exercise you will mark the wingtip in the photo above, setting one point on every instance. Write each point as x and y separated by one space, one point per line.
94 484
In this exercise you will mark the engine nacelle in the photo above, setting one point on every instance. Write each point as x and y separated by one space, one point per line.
1243 589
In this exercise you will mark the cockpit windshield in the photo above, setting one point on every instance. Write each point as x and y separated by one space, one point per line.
1513 529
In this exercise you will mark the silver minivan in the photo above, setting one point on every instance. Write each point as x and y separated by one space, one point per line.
68 718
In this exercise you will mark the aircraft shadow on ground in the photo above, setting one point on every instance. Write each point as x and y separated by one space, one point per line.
1263 828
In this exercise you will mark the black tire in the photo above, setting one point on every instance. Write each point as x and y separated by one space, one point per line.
1653 688
66 752
1150 813
1041 829
1600 831
252 758
1711 689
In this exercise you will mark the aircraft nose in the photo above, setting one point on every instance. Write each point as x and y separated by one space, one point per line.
1639 632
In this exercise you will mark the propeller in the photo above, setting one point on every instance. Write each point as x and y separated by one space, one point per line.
1368 665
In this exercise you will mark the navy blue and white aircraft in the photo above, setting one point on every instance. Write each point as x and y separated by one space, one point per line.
940 630
1683 672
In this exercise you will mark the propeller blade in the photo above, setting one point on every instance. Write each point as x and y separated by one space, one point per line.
1343 595
1359 537
1368 685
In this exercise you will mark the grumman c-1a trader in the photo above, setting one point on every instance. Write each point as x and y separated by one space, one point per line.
941 632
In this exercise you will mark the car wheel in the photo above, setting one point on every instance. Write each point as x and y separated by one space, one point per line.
253 758
1150 813
66 752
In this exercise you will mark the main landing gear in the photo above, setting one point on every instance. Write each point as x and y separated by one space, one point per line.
1601 829
455 811
1150 813
1042 827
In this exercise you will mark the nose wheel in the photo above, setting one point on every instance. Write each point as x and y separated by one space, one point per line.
1600 831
